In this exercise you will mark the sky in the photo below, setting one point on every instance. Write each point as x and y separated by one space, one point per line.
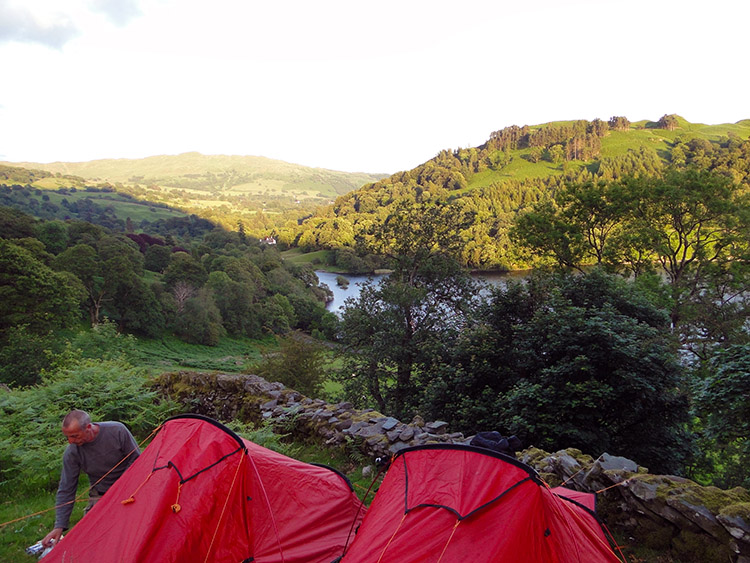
352 85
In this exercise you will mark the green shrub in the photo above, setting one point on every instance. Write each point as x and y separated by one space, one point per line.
299 363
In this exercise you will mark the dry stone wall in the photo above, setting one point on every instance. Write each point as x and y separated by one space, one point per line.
665 513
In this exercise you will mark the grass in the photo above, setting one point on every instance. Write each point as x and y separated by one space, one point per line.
122 207
232 354
320 258
17 536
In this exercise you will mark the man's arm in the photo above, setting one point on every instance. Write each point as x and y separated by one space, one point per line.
129 446
66 494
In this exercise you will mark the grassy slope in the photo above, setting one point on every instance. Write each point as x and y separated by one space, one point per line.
642 133
123 207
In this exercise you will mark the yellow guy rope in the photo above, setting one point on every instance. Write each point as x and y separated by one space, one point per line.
392 536
449 541
223 508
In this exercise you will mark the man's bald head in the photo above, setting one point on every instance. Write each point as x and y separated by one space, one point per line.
78 429
81 418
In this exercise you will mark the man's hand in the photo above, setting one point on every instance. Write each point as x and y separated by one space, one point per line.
52 538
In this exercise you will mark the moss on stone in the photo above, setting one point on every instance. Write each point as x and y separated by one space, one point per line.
365 416
582 458
552 479
739 510
691 547
533 456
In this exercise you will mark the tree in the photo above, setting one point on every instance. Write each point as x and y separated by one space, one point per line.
394 332
33 294
412 233
299 363
548 235
24 355
277 314
619 123
184 268
722 401
15 224
54 235
668 122
200 321
235 303
157 257
695 222
133 304
83 261
556 154
580 228
569 361
120 246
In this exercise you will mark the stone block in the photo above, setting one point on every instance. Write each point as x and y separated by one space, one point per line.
608 462
389 423
393 435
406 434
437 427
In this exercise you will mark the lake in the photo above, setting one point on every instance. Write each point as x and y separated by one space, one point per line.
355 283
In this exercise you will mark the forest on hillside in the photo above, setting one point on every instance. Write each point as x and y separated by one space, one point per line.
474 181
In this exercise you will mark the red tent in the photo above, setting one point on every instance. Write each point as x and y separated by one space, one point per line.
200 493
451 504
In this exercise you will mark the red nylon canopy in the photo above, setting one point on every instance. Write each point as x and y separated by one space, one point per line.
452 504
201 493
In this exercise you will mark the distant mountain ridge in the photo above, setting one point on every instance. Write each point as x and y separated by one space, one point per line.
193 170
260 193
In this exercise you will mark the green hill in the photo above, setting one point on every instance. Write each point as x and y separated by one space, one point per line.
261 192
200 173
518 166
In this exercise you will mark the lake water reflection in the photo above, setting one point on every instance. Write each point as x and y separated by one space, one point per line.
355 283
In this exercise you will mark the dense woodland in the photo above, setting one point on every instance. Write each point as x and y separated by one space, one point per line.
631 337
55 273
487 185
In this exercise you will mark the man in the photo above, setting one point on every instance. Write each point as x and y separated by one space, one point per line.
103 451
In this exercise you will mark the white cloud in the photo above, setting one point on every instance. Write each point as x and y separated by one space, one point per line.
19 23
119 12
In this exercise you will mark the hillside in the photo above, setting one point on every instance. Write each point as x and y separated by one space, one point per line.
519 166
225 189
214 173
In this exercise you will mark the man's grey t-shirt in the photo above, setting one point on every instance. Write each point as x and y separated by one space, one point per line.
96 458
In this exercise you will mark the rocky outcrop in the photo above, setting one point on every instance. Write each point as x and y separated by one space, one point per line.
662 512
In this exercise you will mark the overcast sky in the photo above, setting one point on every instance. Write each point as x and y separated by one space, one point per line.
351 85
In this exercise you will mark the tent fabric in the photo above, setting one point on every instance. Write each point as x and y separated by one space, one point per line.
199 492
451 503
